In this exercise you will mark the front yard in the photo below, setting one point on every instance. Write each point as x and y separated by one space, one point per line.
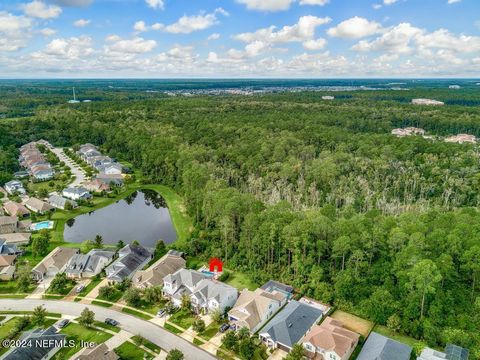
183 318
129 351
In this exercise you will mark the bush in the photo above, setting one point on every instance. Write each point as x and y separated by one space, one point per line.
225 276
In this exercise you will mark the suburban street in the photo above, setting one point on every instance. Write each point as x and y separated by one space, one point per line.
77 171
146 329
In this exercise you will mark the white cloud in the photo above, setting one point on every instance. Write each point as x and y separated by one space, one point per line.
443 39
156 4
355 28
137 45
188 24
389 2
317 44
303 30
71 48
140 26
314 2
81 23
251 50
157 26
14 31
396 40
267 5
47 32
453 1
41 10
214 36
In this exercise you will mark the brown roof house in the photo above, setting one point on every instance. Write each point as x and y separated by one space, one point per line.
7 267
99 352
96 186
254 308
38 206
54 262
166 265
8 224
16 209
16 238
330 340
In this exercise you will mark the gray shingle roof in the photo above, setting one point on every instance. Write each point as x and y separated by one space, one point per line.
292 323
379 347
455 352
131 257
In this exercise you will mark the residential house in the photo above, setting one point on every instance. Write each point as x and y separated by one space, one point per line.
96 186
7 267
130 259
21 174
88 265
379 347
171 262
455 352
330 341
110 169
272 285
60 202
38 206
9 249
76 193
54 263
43 344
42 172
427 102
8 224
16 209
211 296
99 352
16 238
111 180
461 138
431 354
180 283
254 308
290 325
14 187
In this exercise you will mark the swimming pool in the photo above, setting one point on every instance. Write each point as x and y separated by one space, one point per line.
42 225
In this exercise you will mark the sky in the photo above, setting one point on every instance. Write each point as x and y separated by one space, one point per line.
239 38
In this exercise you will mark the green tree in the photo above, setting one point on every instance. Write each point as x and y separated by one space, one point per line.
24 281
132 297
59 284
297 353
393 323
87 317
471 263
230 340
39 315
198 325
175 354
153 294
186 304
120 244
40 246
98 241
160 249
106 292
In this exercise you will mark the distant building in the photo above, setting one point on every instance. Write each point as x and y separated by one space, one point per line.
130 259
96 186
409 131
76 193
289 325
38 206
15 209
43 345
461 138
111 180
427 102
379 347
110 169
60 202
14 187
328 97
454 87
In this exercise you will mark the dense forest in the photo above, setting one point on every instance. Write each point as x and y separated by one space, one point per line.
313 193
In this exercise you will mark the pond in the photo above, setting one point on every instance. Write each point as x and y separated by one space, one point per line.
141 216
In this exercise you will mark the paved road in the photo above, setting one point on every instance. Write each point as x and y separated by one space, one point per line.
77 171
146 329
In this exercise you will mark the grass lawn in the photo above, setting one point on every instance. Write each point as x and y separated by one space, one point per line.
11 287
2 318
210 331
183 318
101 303
354 323
129 351
65 291
7 327
10 312
198 342
13 296
53 297
78 332
148 344
116 295
151 308
240 280
136 313
399 337
107 326
172 329
90 286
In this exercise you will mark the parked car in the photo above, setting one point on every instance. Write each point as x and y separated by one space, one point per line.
80 289
224 327
161 312
111 322
63 323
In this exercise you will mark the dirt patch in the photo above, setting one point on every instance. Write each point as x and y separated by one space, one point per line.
354 323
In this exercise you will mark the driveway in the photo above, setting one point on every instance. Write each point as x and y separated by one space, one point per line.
41 288
77 171
131 324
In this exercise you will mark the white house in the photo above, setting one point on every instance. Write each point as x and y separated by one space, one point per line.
210 296
88 265
76 193
181 282
14 187
110 169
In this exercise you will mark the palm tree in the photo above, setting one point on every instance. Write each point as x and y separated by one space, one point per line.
98 241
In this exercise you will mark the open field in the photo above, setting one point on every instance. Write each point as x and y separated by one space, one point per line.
354 323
